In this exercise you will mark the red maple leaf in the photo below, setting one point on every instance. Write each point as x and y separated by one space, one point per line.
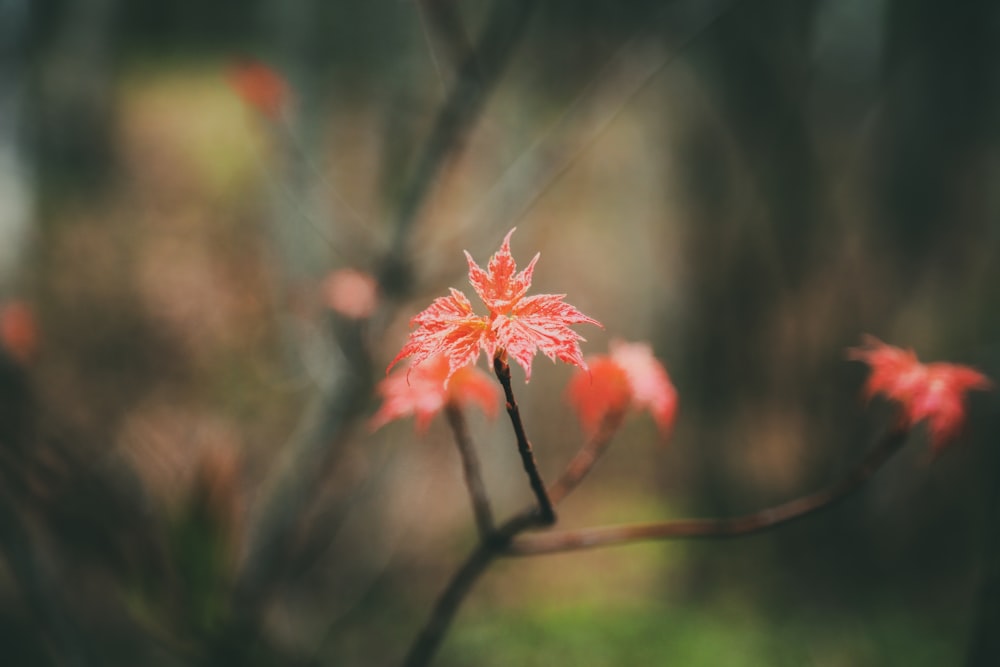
629 377
517 324
421 392
932 393
447 328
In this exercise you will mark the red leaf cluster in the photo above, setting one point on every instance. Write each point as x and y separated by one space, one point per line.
932 393
517 324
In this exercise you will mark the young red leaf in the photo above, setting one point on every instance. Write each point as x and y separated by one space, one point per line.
540 323
421 392
932 393
447 328
517 324
651 386
602 392
895 373
629 377
940 401
500 286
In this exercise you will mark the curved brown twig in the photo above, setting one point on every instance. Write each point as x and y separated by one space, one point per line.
771 517
582 462
426 644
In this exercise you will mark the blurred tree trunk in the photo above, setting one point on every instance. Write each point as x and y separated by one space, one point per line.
756 200
936 160
938 126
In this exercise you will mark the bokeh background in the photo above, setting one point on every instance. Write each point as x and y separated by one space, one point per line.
749 185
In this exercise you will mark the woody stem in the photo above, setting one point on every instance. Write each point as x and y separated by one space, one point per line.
586 457
462 581
470 466
728 527
546 512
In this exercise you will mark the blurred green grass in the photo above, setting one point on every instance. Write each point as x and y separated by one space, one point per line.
705 636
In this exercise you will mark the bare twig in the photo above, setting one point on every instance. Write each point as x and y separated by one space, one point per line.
546 512
585 458
427 642
746 524
473 475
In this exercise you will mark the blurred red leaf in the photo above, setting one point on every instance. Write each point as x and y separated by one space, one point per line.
352 293
19 331
421 391
602 392
259 87
629 377
932 393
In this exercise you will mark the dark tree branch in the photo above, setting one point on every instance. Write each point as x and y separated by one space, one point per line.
495 542
473 475
427 642
546 512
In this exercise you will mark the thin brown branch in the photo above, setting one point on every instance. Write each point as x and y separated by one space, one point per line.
746 524
427 642
546 511
470 466
582 462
